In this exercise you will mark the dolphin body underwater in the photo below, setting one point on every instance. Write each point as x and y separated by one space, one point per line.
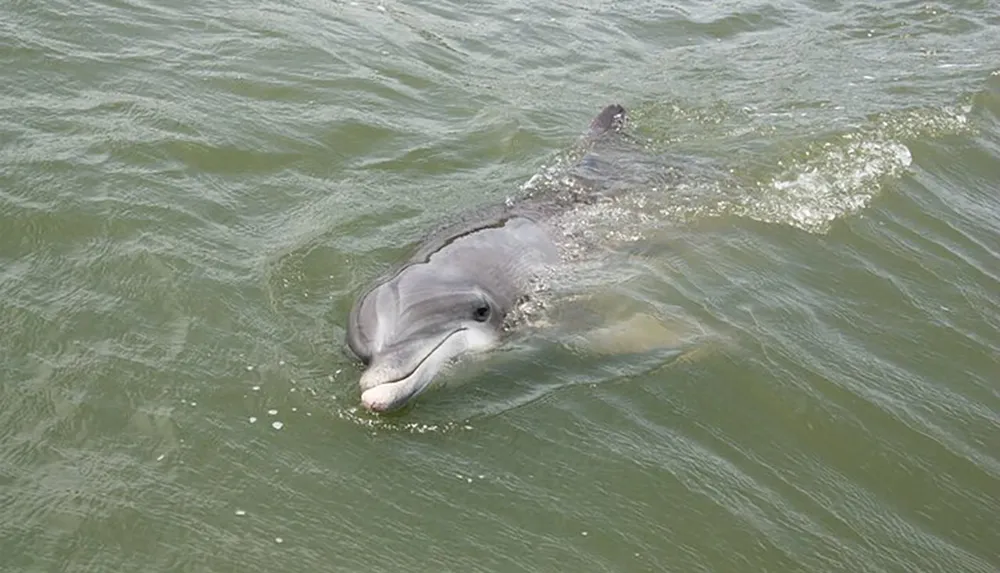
453 296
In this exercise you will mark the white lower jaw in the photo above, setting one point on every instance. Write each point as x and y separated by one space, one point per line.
393 395
388 397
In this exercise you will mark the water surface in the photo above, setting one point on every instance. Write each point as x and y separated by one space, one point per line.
192 194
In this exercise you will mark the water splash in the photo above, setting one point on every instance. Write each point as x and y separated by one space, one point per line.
379 423
827 181
838 181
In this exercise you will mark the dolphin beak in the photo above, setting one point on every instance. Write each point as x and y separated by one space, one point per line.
384 388
393 395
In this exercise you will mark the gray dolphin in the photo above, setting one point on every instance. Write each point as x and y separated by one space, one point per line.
453 295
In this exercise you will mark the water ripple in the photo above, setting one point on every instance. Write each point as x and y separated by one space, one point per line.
781 357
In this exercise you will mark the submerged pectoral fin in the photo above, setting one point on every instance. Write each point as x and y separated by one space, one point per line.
641 333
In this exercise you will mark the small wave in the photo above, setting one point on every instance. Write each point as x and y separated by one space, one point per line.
827 181
811 187
840 181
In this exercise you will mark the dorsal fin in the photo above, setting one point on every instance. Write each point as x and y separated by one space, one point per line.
611 118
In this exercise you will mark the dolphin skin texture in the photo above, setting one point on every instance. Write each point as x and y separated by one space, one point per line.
452 296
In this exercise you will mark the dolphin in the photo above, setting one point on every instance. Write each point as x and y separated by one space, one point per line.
453 295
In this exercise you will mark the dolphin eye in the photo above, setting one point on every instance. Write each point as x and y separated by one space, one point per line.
482 313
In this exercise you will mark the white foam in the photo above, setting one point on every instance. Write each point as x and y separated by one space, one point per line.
838 181
811 186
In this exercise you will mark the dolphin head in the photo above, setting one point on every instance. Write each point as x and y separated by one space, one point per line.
406 328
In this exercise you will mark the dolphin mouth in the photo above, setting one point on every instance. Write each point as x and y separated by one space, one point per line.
393 394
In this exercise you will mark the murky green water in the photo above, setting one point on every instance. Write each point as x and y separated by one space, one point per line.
192 193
